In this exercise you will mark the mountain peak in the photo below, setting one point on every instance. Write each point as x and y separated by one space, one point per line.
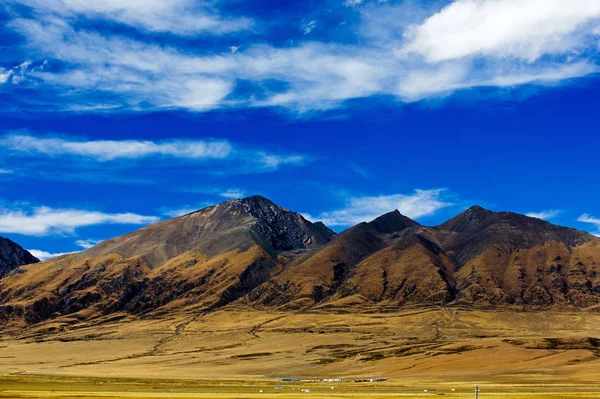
467 221
235 224
282 229
392 222
256 201
258 206
256 197
477 209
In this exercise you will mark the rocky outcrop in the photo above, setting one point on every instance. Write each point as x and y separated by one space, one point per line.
281 229
12 255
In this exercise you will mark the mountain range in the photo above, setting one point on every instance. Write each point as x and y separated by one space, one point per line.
252 254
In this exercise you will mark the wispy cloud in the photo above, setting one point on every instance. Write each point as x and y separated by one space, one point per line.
308 27
175 213
364 209
5 171
108 150
44 255
353 3
399 53
443 79
15 74
233 194
4 75
43 221
545 215
87 244
182 17
587 218
206 150
274 161
228 194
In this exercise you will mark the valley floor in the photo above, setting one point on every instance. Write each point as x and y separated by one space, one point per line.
510 354
70 388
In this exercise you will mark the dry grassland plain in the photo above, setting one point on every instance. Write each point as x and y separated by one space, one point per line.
237 353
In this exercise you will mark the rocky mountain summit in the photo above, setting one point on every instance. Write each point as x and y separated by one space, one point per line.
251 253
207 259
12 255
280 229
233 225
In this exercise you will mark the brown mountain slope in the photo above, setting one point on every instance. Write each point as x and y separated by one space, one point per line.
479 258
549 274
205 259
12 255
310 282
414 271
251 252
476 229
505 258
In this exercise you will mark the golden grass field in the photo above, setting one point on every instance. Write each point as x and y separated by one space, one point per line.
236 353
58 388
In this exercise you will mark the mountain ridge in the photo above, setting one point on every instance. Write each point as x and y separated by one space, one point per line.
252 253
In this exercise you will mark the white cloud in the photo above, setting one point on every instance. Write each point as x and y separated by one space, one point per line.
547 74
186 209
5 75
183 17
436 81
308 27
587 218
5 171
111 73
504 28
233 194
87 244
433 81
44 255
19 75
364 209
175 213
353 3
45 221
140 75
244 160
545 215
14 75
108 150
274 161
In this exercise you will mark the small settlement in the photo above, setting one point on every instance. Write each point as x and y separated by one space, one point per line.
287 379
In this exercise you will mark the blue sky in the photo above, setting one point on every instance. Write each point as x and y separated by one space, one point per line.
116 114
